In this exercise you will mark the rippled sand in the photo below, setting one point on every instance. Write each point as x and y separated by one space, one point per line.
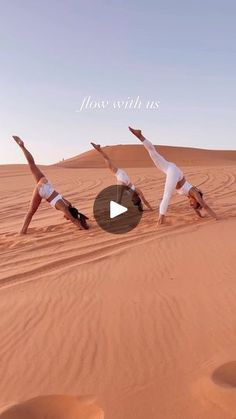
145 321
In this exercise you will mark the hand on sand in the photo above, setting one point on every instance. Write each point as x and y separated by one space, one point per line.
96 146
18 140
136 132
83 221
161 219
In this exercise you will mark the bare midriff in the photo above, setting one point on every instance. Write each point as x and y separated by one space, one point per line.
180 183
51 197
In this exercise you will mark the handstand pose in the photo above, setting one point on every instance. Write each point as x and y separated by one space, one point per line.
123 179
44 190
174 180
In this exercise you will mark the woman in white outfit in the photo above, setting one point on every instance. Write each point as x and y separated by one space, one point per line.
45 190
123 179
175 180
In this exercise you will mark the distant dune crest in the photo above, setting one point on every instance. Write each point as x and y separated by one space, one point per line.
136 156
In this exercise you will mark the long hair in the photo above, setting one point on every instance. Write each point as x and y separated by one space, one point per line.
79 216
74 212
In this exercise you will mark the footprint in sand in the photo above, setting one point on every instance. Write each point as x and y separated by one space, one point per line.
225 375
219 389
55 406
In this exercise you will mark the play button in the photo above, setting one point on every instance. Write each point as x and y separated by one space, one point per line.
116 209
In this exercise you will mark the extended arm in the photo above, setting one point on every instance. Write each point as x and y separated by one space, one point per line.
198 213
210 211
204 205
120 192
144 199
61 206
70 217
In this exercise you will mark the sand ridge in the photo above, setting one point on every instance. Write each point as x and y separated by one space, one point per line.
136 156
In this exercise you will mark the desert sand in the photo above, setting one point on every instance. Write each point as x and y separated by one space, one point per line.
54 407
144 321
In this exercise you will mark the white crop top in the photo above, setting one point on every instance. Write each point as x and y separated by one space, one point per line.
184 190
123 178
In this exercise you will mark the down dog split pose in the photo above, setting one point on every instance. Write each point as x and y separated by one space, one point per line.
175 180
123 179
45 190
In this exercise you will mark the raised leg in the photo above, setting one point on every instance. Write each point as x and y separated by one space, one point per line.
109 164
36 172
137 133
157 159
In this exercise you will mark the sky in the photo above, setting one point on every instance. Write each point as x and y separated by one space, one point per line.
118 57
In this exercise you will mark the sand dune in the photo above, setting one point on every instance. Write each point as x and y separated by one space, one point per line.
145 321
136 156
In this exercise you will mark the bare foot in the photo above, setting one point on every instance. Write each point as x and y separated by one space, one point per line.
137 133
96 146
18 141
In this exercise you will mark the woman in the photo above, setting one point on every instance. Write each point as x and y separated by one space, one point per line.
175 180
45 190
123 179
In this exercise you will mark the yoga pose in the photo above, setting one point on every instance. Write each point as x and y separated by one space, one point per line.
174 180
123 179
45 190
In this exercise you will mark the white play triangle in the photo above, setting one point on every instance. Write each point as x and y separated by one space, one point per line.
116 209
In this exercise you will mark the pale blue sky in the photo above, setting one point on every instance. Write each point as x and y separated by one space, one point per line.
54 53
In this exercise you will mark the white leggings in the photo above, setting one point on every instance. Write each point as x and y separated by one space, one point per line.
173 174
